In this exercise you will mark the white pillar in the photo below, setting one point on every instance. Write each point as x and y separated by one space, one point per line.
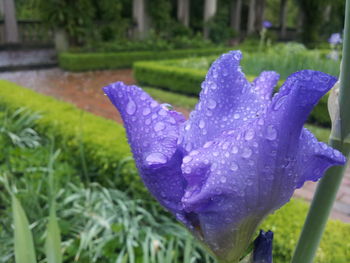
209 12
183 12
11 28
251 17
236 9
139 15
283 18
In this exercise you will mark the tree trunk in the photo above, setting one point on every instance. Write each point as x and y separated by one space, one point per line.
209 12
183 12
140 18
251 17
235 21
259 13
11 28
283 18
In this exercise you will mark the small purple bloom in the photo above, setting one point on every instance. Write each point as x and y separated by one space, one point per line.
263 247
239 157
267 24
335 39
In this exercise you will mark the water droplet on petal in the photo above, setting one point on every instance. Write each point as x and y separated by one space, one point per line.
143 96
146 111
211 104
130 107
216 154
159 126
236 116
187 159
223 179
247 152
234 149
207 144
162 112
249 135
201 124
271 133
167 106
234 166
188 127
156 158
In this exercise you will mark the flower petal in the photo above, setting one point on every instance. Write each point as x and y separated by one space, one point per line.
315 158
223 190
227 101
283 125
265 83
152 131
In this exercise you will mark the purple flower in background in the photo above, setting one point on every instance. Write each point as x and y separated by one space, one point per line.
239 157
335 39
267 24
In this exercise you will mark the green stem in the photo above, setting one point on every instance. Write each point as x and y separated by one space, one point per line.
328 187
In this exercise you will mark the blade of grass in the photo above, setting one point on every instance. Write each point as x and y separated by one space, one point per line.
53 239
23 240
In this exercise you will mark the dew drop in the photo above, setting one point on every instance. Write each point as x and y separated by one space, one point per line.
234 149
167 106
211 104
146 111
188 127
271 133
162 112
188 170
159 126
131 107
187 159
156 158
207 144
249 135
234 166
223 179
216 154
154 104
247 152
143 96
201 124
236 116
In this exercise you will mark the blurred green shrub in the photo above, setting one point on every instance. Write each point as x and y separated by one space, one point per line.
93 61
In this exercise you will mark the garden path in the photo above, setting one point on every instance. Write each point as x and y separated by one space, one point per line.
84 90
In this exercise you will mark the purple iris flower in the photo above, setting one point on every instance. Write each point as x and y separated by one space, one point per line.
239 157
263 247
267 24
335 39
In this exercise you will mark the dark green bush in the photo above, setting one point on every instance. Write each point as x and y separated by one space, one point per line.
188 81
103 141
93 61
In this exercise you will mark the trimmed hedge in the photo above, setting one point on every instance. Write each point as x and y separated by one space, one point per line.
105 145
287 223
188 81
104 141
94 61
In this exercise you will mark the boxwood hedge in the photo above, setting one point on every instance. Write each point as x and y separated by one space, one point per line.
188 81
113 60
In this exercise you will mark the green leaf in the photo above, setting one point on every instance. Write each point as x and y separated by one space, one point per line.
53 239
23 241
